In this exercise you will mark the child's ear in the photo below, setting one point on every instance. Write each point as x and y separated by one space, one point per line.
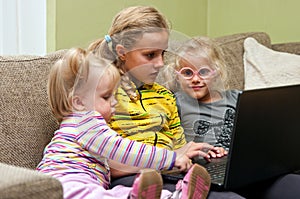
77 103
120 49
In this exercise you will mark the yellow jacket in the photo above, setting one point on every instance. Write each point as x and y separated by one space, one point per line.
153 119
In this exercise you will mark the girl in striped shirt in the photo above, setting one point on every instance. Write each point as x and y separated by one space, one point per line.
81 91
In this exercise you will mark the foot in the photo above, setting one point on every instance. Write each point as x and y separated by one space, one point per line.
195 184
147 185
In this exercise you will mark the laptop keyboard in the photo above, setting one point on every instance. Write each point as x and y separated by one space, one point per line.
216 169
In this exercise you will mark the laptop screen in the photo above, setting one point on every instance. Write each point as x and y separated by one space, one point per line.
266 136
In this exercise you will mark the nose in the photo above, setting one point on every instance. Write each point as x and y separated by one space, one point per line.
196 78
159 62
113 101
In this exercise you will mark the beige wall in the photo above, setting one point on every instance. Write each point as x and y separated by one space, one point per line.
76 23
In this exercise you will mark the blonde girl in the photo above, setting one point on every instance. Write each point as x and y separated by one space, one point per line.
200 86
196 74
207 110
146 111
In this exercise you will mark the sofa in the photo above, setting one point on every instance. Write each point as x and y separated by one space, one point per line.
27 124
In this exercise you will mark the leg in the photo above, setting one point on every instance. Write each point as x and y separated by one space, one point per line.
287 186
147 185
128 182
195 184
78 186
223 195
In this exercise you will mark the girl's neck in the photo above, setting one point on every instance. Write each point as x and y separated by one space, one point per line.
136 81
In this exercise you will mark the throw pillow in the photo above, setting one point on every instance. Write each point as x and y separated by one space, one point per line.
268 68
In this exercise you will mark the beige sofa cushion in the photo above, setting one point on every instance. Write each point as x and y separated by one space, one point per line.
265 67
26 122
21 183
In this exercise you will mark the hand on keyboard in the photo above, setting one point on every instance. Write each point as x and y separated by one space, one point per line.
217 152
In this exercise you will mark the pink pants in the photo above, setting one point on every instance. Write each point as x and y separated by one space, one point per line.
82 186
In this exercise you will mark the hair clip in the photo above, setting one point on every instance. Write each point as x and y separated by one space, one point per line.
107 38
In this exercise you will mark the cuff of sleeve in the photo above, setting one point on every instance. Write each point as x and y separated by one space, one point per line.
173 162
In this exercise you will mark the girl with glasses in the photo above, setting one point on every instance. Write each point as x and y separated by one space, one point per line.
205 105
197 75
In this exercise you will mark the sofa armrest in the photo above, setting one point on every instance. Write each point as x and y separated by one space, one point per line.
292 47
17 182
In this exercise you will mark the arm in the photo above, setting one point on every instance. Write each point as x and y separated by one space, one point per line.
175 126
183 162
118 169
95 136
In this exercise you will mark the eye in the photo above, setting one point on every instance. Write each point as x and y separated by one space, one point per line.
150 55
187 72
203 72
107 97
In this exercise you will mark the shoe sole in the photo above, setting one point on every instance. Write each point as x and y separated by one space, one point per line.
199 184
150 184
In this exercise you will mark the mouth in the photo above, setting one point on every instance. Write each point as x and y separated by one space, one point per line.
198 87
154 74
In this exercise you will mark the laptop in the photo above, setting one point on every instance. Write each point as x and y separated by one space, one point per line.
265 140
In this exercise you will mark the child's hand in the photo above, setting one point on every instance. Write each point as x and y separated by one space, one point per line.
193 149
183 163
217 152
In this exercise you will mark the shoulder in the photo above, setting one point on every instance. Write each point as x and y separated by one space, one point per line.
232 94
162 90
84 117
182 96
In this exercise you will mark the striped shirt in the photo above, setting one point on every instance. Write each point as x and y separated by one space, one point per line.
84 142
153 119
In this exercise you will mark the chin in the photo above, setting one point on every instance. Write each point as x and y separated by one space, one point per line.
149 82
196 95
192 94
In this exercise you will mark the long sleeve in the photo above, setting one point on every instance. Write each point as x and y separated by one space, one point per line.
175 126
95 136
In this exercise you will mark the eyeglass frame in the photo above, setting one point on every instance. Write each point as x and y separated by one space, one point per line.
213 72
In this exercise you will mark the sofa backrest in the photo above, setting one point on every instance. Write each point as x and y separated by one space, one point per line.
26 122
233 49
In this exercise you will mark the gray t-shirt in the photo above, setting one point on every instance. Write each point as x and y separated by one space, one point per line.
208 122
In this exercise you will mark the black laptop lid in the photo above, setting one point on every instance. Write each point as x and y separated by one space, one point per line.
266 136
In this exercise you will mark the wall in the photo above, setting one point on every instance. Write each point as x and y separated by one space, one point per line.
278 18
76 23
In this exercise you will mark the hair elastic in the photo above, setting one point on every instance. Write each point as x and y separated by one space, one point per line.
107 38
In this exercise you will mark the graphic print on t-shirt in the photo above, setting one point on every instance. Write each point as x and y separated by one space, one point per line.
222 129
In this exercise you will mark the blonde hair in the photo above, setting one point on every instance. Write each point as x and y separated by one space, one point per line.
201 47
128 26
69 74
